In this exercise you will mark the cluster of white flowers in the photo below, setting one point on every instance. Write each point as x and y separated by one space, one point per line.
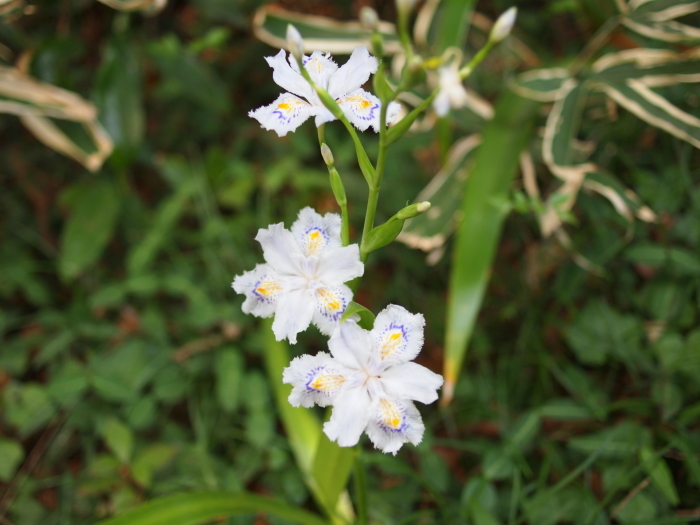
368 377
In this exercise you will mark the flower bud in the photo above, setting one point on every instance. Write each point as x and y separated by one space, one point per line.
503 25
294 42
369 18
413 210
327 155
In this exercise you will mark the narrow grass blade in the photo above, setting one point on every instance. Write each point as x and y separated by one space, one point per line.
200 507
484 208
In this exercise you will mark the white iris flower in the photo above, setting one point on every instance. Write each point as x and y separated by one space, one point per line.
452 93
369 380
302 280
291 109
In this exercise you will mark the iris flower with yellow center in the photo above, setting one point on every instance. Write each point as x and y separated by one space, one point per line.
343 83
370 381
302 279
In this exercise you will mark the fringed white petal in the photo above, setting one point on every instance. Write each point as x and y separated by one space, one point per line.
394 422
323 115
340 265
441 103
316 379
287 78
351 345
285 114
262 288
353 74
392 112
361 108
316 233
397 335
411 381
321 67
349 417
330 306
280 249
294 312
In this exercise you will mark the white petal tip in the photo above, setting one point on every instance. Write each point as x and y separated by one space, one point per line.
504 25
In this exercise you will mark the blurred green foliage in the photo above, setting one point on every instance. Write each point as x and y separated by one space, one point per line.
128 371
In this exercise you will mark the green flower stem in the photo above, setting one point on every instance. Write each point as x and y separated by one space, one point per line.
360 488
478 58
330 103
373 198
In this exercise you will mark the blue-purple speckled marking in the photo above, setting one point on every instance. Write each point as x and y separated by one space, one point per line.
260 296
338 314
402 427
311 375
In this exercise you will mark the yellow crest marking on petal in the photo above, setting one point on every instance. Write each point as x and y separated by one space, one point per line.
284 106
391 343
329 299
268 287
391 417
314 242
327 382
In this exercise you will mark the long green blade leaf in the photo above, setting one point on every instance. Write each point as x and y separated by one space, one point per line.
198 507
484 209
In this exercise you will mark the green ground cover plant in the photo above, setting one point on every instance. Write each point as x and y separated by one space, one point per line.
557 269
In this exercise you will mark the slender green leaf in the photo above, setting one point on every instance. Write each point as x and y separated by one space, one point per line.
661 477
655 110
11 454
445 192
303 429
484 211
331 469
94 208
118 94
200 507
450 24
366 316
119 439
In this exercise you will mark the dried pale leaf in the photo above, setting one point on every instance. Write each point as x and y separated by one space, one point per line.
655 109
424 20
319 32
150 7
48 133
544 85
50 100
527 166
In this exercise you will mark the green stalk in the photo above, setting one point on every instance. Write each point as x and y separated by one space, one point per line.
373 198
360 488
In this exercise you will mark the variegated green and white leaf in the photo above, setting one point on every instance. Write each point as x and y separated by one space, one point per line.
652 67
668 31
655 109
662 10
443 23
429 231
544 85
561 131
656 19
148 7
624 200
319 33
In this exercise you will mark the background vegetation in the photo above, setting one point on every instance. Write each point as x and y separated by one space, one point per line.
128 371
